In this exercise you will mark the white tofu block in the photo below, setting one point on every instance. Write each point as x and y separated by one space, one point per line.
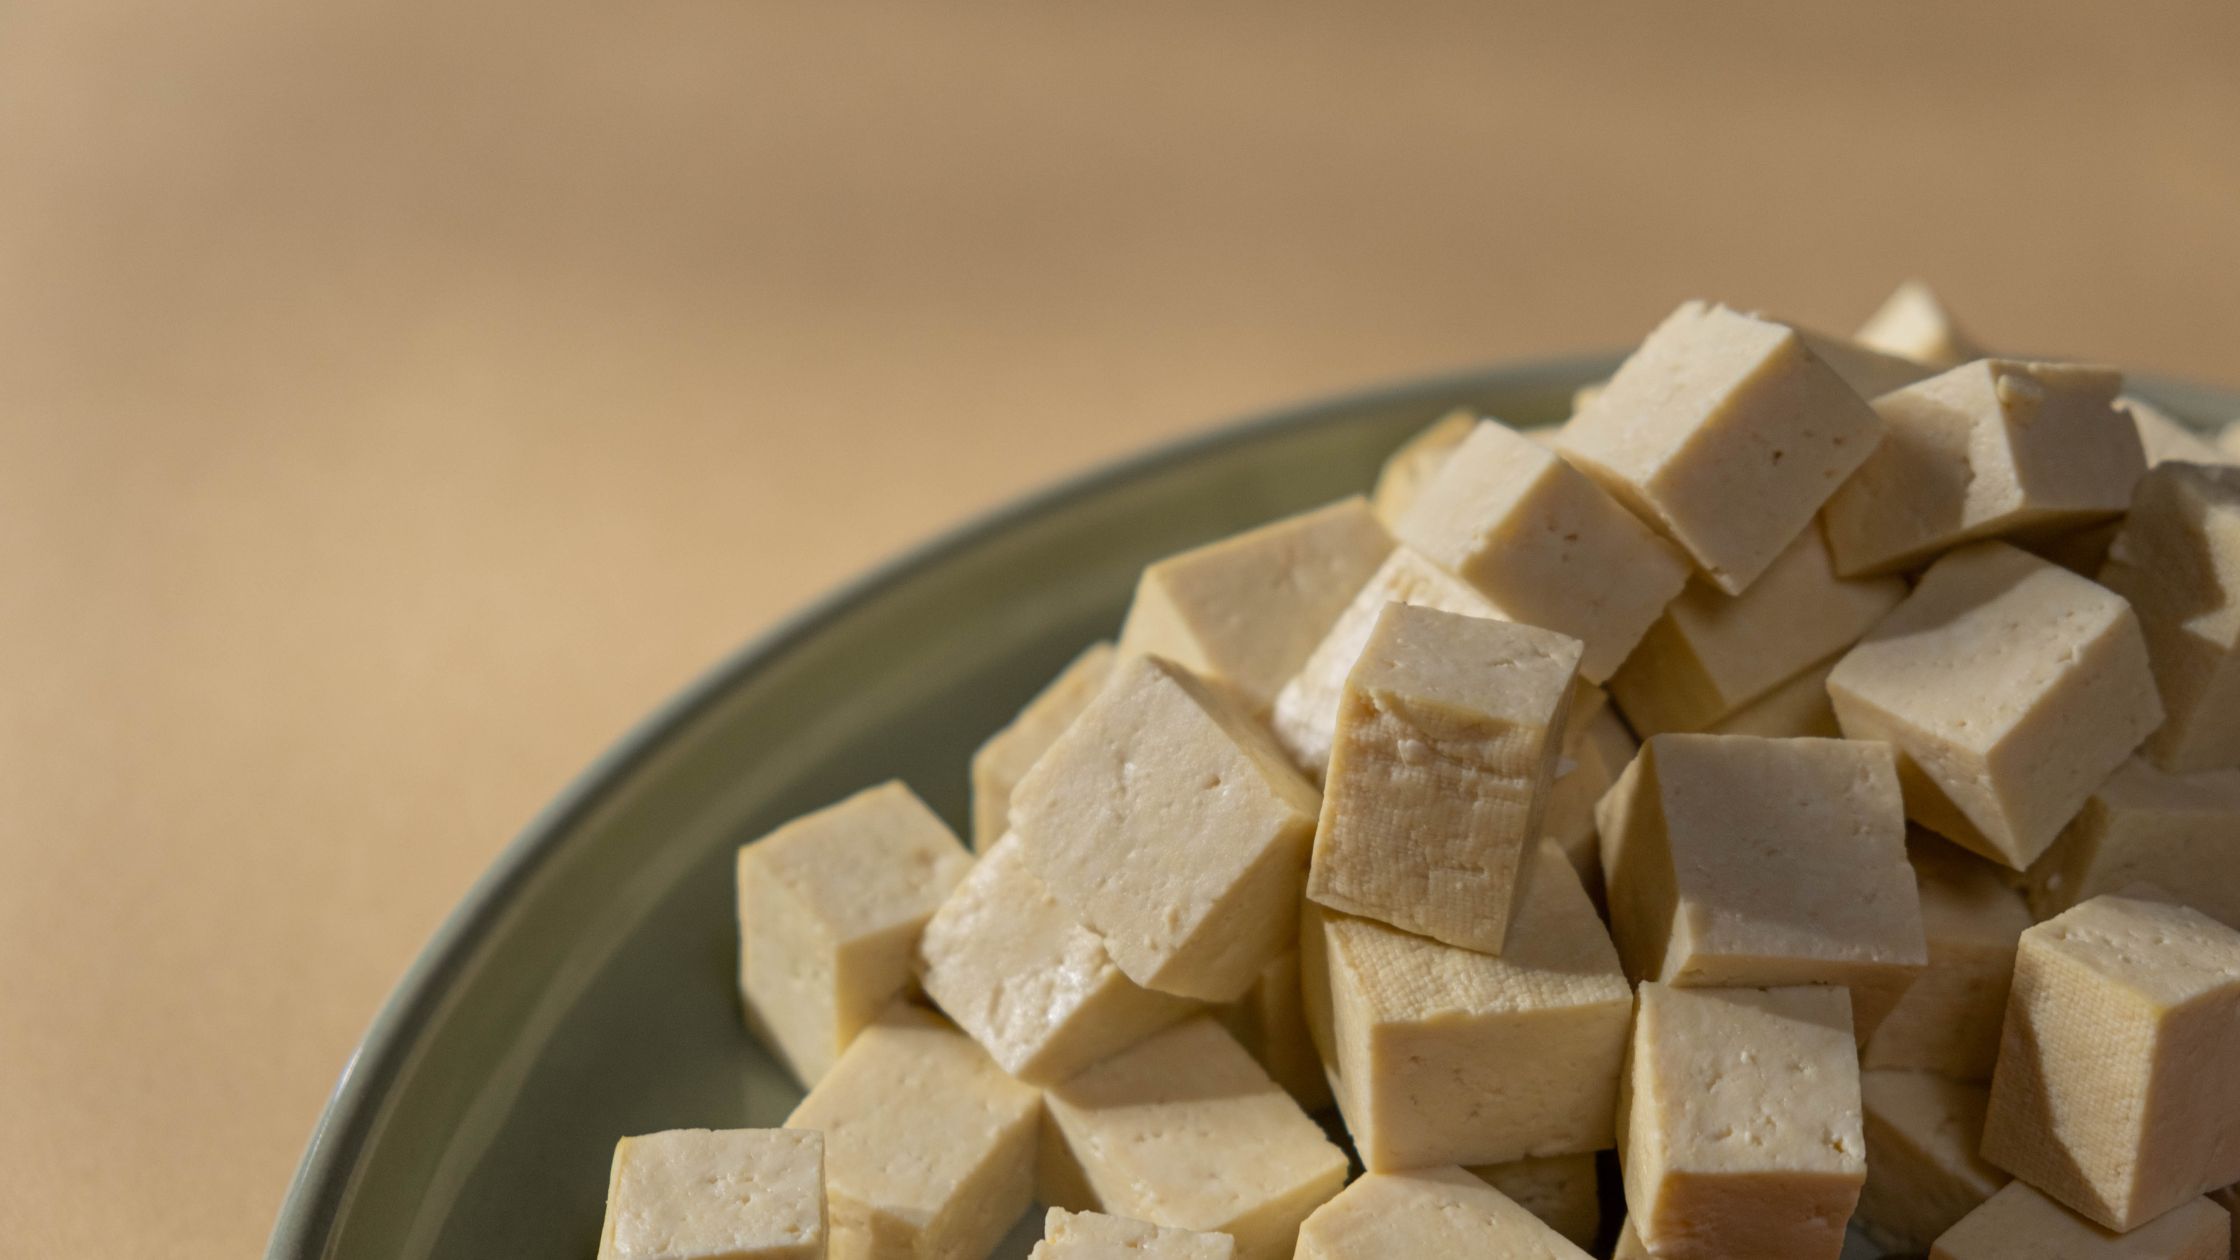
1735 861
1246 610
1602 749
1185 1130
2168 439
1869 372
1022 976
1996 448
1548 548
2018 1223
1948 1021
1726 433
1913 323
1443 1055
1428 1212
2010 688
1095 1236
1741 1131
2080 551
2179 832
1168 821
1797 709
1562 1190
2178 562
1712 654
735 1194
1270 1022
1009 753
929 1149
1447 737
1923 1172
1416 461
830 907
2116 1091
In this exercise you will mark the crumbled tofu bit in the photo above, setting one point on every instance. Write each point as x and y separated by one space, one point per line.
2179 832
1996 448
830 907
929 1149
1725 432
1736 861
2178 563
1948 1021
735 1194
2019 1223
1797 709
2010 688
1446 1055
1009 753
1562 1190
1415 462
1869 372
1923 1172
1167 820
1741 1132
1428 1212
1021 975
1712 654
2168 439
1447 737
1185 1130
1246 610
2115 1091
1540 541
1095 1236
1270 1022
1913 323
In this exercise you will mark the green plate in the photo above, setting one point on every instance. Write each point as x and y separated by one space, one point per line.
584 989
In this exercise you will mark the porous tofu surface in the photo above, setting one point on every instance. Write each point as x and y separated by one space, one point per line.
2019 1223
1009 753
735 1194
1428 1212
1095 1236
2177 561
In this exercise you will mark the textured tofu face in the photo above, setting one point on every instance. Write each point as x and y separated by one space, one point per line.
2115 1091
2177 561
830 907
2018 1223
1416 461
2179 832
1913 323
1741 1136
1948 1021
1563 1191
1429 1212
1923 1170
1095 1236
696 1194
2010 687
1727 433
1009 753
1547 547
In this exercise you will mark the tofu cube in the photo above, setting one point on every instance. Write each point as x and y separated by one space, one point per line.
1996 448
2168 439
1736 861
1913 323
2010 687
2179 832
1168 821
2018 1223
2178 562
1923 1172
1444 1055
1428 1212
1009 753
736 1194
1095 1236
1797 709
830 907
1184 1130
1416 461
1270 1022
1024 977
929 1149
1447 738
1869 372
1725 432
1564 1191
1246 610
1602 749
1741 1133
1539 540
2116 1091
1949 1019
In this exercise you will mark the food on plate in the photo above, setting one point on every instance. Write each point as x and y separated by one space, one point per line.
1095 1236
697 1194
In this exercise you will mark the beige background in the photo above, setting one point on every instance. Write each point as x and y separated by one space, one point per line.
397 400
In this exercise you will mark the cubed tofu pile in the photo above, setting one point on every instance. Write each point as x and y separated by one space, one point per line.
1799 795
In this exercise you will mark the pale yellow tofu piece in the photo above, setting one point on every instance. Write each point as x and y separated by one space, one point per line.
1629 1245
1730 860
1869 372
929 1149
1424 1213
1601 750
1444 1055
1012 751
1740 1132
2019 1223
830 907
2080 551
1913 323
1544 544
1726 433
1185 1130
2178 562
2116 1091
2168 439
1416 461
1270 1022
1995 448
2179 832
1167 820
1923 1172
733 1194
2010 688
1712 653
1024 978
1797 709
1447 737
1562 1190
1246 610
1949 1019
1095 1236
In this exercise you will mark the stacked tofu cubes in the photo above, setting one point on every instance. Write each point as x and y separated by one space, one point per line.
1792 805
